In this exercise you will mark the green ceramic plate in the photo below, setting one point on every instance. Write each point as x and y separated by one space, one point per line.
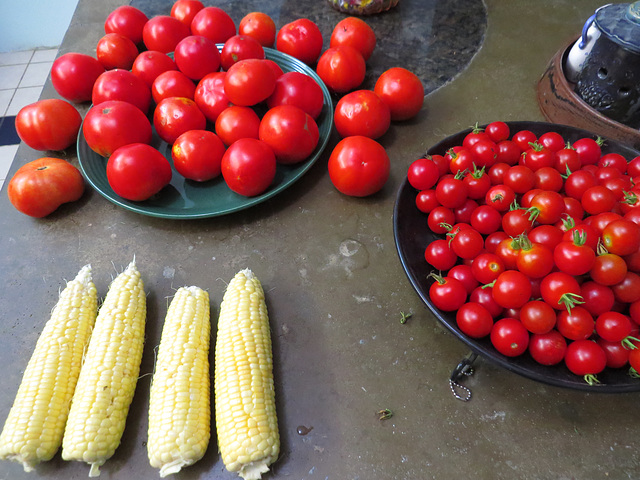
184 199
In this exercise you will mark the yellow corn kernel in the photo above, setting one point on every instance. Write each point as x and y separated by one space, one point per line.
109 374
245 410
179 404
33 430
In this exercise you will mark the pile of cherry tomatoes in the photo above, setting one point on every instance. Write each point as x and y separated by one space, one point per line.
538 246
229 112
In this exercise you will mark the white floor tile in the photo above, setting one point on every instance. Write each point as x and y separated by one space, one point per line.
44 55
16 58
5 99
35 75
7 153
22 98
11 75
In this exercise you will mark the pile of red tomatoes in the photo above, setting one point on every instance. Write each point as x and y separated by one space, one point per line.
538 246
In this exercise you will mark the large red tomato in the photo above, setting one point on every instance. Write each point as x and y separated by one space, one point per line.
148 65
300 90
110 125
236 122
175 115
210 96
341 68
362 113
50 124
73 76
185 10
356 33
128 21
121 85
240 47
116 51
172 83
249 167
138 171
197 155
359 166
402 90
260 26
41 186
213 23
291 133
301 39
249 82
196 56
163 32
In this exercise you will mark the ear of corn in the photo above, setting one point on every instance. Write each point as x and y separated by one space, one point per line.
179 405
109 374
246 421
34 427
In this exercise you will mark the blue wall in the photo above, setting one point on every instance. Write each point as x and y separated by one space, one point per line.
28 24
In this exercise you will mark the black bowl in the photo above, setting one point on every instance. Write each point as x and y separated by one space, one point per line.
412 235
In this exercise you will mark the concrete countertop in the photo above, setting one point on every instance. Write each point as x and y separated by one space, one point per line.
335 292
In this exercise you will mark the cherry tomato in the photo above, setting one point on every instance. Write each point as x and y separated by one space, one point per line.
464 274
213 23
552 141
50 124
185 10
342 69
128 21
498 131
422 174
197 56
121 85
560 290
467 243
402 91
474 320
485 153
608 269
175 115
516 222
567 160
73 76
574 257
598 199
497 172
301 39
597 298
426 200
486 267
507 152
548 348
249 167
628 289
240 47
548 178
439 255
547 207
451 192
447 293
617 355
548 235
113 124
508 250
440 219
509 337
523 138
512 289
476 135
237 122
116 51
362 112
291 133
149 64
163 32
621 237
519 178
613 326
260 26
210 95
589 150
478 183
197 155
575 325
460 159
500 197
359 166
39 187
300 90
172 83
585 357
249 82
534 260
538 316
138 171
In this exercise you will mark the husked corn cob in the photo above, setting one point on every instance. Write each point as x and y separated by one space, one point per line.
109 374
33 430
245 410
180 405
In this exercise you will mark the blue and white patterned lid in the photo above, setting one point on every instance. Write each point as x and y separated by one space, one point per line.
621 24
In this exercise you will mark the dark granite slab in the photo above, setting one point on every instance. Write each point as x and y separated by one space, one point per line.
435 39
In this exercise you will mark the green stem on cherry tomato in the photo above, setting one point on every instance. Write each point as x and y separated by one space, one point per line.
567 173
601 249
630 342
437 277
579 237
633 373
568 223
477 172
570 300
536 146
514 205
460 174
591 379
